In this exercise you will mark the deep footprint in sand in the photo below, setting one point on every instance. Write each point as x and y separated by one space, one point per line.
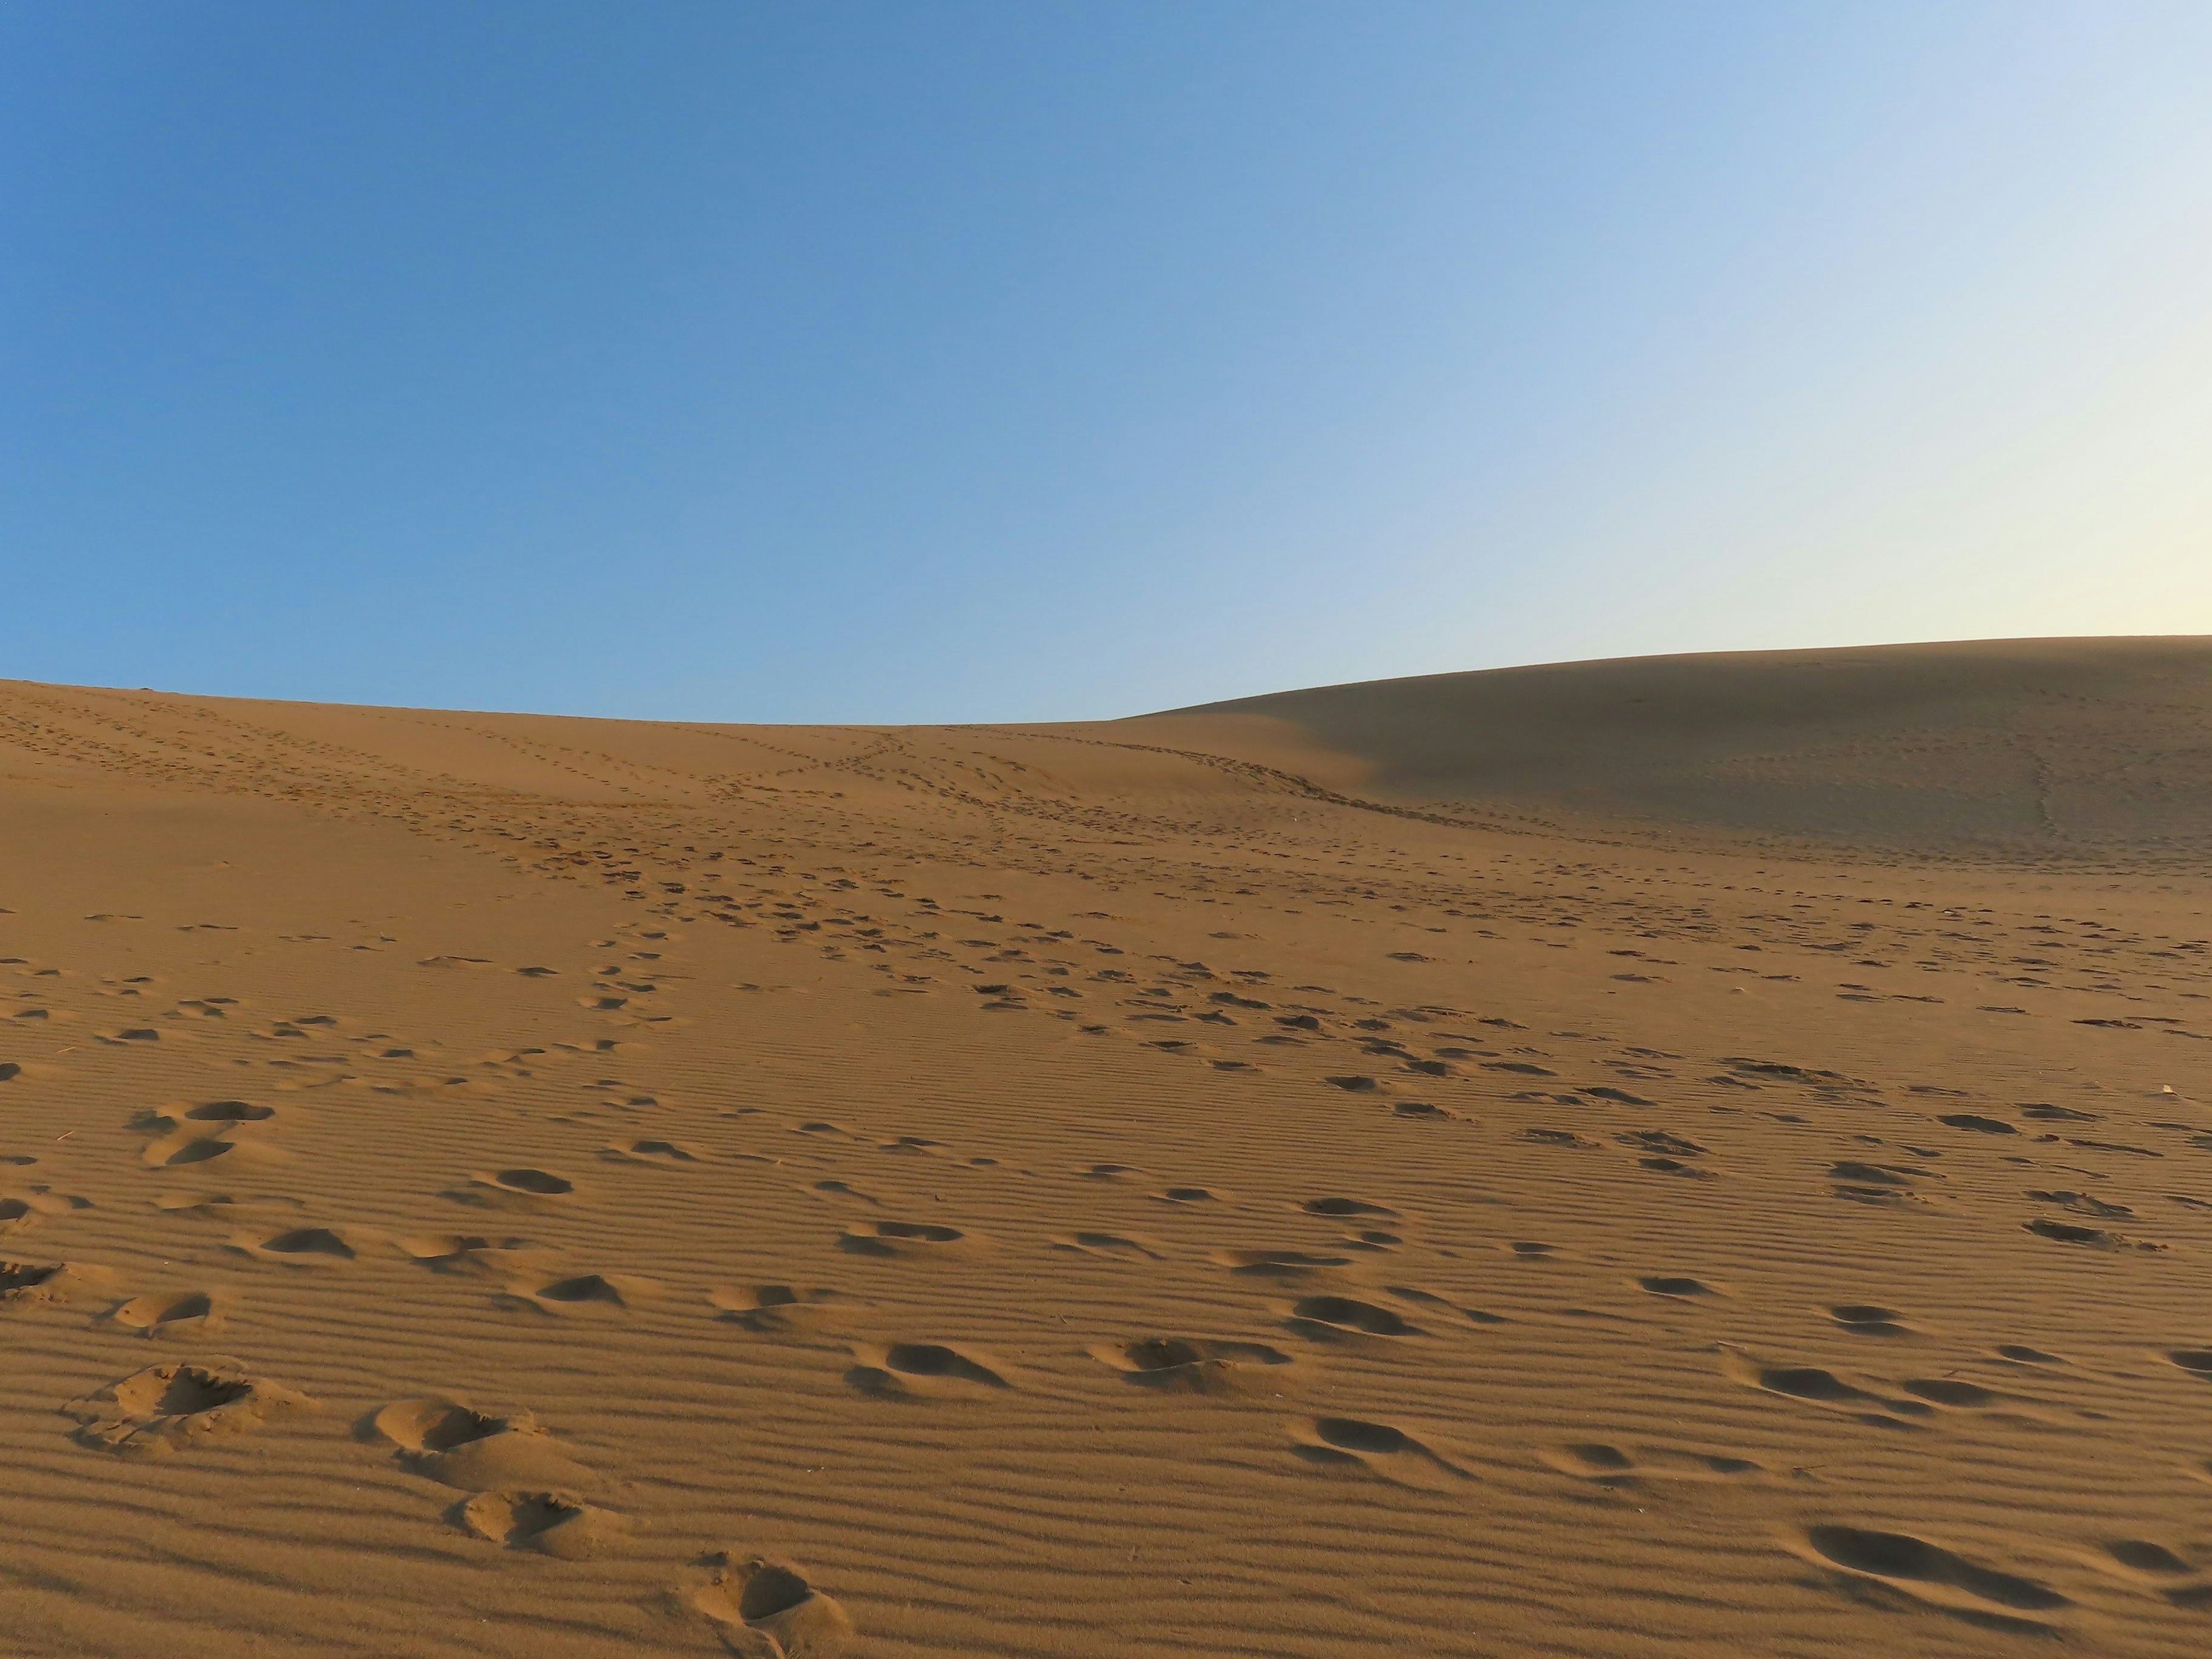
170 1408
780 1307
766 1609
23 1210
460 1447
900 1369
522 1187
1869 1319
174 1316
192 1145
907 1240
229 1111
1193 1364
1928 1573
2092 1238
556 1523
585 1292
477 1254
1283 1266
1345 1208
1676 1286
299 1246
665 1154
1110 1246
25 1285
1344 1319
2196 1361
1381 1448
1605 1464
1818 1387
228 1206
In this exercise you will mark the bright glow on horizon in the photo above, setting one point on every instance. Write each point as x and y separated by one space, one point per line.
752 362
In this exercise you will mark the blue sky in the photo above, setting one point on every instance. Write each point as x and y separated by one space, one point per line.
1029 360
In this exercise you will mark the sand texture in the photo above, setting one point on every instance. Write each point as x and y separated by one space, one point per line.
1708 1156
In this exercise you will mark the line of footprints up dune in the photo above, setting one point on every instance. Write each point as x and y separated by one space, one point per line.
520 1482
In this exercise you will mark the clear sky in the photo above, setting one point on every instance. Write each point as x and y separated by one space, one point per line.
904 362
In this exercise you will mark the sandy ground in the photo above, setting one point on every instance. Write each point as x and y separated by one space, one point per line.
475 1184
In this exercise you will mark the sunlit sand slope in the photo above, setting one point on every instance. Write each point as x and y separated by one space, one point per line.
1227 1183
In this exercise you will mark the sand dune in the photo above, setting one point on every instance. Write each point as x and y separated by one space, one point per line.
2070 747
1474 1165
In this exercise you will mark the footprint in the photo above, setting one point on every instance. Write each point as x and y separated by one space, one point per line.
1866 1319
1286 1267
556 1523
587 1292
474 1254
183 1148
1928 1573
1189 1195
457 1446
1609 1465
46 1283
1878 1183
1674 1285
301 1247
1345 1207
24 1208
2143 1561
1662 1141
904 1369
1420 1109
911 1240
1818 1387
1111 1245
168 1408
2093 1238
768 1610
226 1207
1340 1318
2197 1361
174 1316
524 1186
1381 1448
654 1152
775 1307
1431 1299
229 1111
1374 1238
1191 1365
1957 1394
2083 1204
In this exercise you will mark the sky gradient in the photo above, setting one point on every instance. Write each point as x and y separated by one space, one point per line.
1024 361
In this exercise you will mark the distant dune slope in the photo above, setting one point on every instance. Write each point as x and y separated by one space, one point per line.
2093 745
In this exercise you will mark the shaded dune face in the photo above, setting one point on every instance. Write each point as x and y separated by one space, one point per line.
2019 742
